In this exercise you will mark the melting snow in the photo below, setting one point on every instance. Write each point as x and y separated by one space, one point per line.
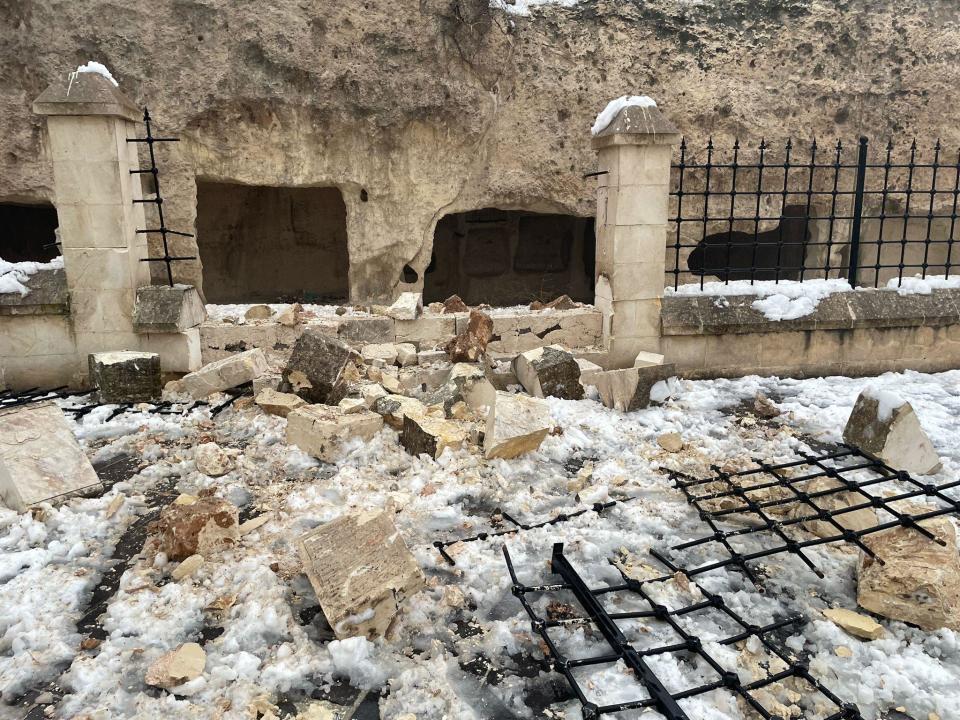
13 276
613 107
94 67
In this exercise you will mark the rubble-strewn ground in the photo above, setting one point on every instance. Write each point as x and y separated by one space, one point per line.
462 648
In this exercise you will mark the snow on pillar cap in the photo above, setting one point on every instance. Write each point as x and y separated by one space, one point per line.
86 91
633 120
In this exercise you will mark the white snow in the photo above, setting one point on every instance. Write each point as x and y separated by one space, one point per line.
613 107
13 276
522 7
887 401
786 300
917 285
94 67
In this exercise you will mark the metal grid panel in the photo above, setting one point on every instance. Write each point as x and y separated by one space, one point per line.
10 398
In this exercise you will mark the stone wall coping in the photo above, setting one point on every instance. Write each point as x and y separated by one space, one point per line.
704 315
86 93
48 295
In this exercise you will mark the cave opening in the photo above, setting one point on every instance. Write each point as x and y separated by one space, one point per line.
511 257
28 232
272 244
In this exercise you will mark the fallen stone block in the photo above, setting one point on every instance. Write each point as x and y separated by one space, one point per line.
564 302
385 353
371 392
469 345
423 378
646 359
919 582
393 408
324 431
278 403
177 666
226 373
125 376
428 435
406 354
40 459
317 367
516 424
212 460
671 442
373 329
407 307
465 383
856 624
290 316
884 426
351 405
629 389
549 371
258 312
203 528
431 357
361 571
165 309
454 304
271 381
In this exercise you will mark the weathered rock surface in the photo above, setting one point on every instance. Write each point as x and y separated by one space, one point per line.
423 434
40 459
385 353
316 367
323 431
224 374
469 345
629 389
919 582
671 442
212 460
361 570
406 354
203 527
885 426
258 312
516 424
549 371
125 376
367 329
278 403
455 304
177 666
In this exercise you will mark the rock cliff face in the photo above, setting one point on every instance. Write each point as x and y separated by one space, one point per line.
419 109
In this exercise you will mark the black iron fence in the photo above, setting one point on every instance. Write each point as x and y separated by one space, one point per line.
802 211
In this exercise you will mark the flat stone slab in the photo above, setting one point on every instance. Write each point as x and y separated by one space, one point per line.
126 376
361 571
227 373
629 389
40 459
323 431
516 424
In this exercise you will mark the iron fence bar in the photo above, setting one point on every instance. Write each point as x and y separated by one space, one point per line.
953 218
933 195
853 264
733 201
783 208
806 220
676 256
833 208
906 213
756 219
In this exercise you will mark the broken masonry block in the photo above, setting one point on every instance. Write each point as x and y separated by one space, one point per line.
645 359
469 345
323 431
278 403
371 392
273 381
884 426
407 307
385 353
350 405
516 424
394 408
40 459
178 666
629 389
549 371
375 329
290 315
426 435
203 528
212 460
406 354
317 366
187 567
125 376
919 582
672 442
454 304
258 312
856 624
166 309
466 383
361 571
563 302
226 373
430 357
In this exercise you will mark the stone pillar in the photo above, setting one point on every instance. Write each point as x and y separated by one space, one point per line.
635 151
88 123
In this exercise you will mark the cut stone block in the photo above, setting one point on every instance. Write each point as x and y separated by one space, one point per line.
469 345
361 571
165 309
177 666
125 376
393 408
407 307
267 381
372 392
212 460
351 405
465 383
375 329
406 354
856 624
323 431
919 582
516 424
40 459
317 365
278 403
429 357
645 359
386 353
428 435
180 352
203 528
629 389
225 374
549 371
885 426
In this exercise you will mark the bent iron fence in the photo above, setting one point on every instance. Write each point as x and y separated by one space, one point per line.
796 213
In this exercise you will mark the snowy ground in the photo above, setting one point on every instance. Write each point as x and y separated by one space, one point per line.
251 607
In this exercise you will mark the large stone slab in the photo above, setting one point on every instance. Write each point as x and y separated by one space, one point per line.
367 329
161 309
549 371
323 431
516 424
125 376
227 373
885 426
394 408
40 459
629 389
316 369
361 571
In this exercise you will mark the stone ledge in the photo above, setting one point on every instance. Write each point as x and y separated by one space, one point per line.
48 295
707 315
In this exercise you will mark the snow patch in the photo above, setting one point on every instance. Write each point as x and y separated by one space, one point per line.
887 401
13 276
786 300
354 658
522 7
92 67
613 107
917 285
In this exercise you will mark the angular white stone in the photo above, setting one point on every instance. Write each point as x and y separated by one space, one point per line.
384 352
407 307
278 403
516 424
226 373
549 370
323 431
212 460
406 354
886 427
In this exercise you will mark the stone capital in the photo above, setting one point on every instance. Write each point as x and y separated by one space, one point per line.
635 125
86 94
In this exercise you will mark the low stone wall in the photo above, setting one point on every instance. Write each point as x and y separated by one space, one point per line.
853 333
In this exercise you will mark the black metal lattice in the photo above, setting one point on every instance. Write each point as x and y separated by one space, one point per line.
839 213
11 399
639 659
157 199
776 501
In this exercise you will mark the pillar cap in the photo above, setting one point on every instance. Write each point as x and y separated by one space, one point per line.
86 93
637 125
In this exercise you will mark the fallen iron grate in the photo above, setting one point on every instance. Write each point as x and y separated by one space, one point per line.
9 399
778 501
759 694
